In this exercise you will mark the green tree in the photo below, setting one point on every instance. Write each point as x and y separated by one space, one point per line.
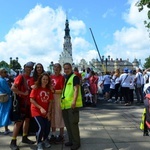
4 64
141 4
147 63
15 65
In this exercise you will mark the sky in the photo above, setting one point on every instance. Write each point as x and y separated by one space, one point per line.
33 30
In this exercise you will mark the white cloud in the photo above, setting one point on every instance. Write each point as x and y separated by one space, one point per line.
80 51
83 44
131 42
77 27
87 55
39 36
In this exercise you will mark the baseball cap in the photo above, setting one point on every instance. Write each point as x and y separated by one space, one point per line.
126 70
29 64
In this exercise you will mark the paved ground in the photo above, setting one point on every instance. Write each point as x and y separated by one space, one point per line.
108 126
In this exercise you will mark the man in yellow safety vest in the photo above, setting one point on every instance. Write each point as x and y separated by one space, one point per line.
70 103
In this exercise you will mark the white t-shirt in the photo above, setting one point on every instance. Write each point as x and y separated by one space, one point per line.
100 79
106 79
139 78
132 81
112 85
125 80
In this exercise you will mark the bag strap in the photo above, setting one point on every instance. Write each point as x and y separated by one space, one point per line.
25 83
124 79
115 78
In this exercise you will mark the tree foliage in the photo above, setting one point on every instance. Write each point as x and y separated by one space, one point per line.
141 4
15 65
147 63
4 64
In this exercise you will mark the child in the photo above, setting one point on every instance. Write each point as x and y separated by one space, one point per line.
41 98
88 95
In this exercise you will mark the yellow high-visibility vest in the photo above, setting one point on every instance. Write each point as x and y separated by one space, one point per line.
68 94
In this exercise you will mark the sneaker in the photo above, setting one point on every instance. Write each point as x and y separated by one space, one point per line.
13 145
59 139
52 139
27 141
46 144
116 102
40 146
7 132
110 100
127 104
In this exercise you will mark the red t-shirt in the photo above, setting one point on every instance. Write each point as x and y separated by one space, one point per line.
31 82
78 74
22 83
42 96
57 81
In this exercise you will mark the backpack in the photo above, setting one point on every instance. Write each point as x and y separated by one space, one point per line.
147 106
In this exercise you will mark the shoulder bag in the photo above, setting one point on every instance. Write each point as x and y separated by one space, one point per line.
3 98
15 114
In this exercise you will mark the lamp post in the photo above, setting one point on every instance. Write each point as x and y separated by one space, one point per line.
51 67
73 65
106 63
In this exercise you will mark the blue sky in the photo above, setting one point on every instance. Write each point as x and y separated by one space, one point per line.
33 30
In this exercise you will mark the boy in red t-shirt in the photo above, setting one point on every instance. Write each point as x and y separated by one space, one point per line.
21 88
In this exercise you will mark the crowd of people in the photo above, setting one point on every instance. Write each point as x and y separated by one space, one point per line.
120 86
52 100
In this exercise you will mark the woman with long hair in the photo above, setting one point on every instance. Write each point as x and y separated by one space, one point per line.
38 70
93 81
117 84
41 98
57 118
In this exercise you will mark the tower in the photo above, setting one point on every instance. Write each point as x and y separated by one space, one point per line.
66 55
